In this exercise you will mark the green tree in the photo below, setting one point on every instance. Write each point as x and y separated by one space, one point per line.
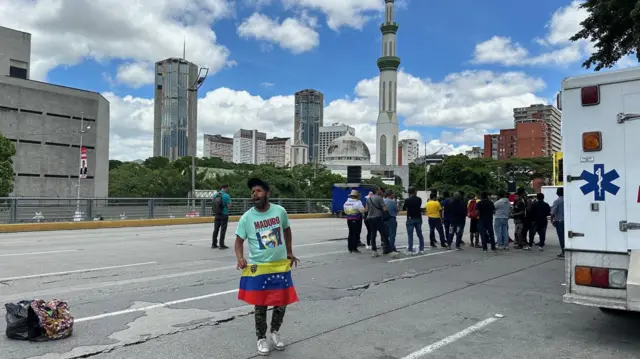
7 151
614 25
155 163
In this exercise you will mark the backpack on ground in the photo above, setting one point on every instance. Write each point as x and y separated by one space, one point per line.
472 212
217 204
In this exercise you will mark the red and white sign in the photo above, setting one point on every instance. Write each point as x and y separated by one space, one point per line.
638 194
83 162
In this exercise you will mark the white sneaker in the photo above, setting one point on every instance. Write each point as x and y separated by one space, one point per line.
263 347
277 342
368 246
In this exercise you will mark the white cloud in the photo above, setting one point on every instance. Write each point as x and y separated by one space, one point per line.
267 84
469 100
339 13
135 74
68 32
296 35
468 135
557 49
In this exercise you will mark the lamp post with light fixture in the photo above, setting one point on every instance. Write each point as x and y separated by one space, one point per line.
82 131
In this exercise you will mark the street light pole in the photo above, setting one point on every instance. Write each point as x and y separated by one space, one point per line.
82 131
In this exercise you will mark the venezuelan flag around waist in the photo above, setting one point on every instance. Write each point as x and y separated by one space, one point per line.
268 284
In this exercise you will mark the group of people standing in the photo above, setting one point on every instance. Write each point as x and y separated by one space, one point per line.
448 216
379 215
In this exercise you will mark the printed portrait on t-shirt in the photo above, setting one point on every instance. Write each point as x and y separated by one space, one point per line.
268 233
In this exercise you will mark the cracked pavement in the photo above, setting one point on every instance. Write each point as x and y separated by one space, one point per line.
163 293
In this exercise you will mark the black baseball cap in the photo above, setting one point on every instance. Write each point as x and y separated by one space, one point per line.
258 182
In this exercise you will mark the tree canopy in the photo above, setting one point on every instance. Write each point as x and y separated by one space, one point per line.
481 174
158 177
7 150
614 26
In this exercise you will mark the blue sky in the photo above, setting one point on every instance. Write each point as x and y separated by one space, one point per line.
464 66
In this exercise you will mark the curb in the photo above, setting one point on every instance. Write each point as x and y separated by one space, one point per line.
128 223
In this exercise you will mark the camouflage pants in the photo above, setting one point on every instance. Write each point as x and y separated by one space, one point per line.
261 320
520 239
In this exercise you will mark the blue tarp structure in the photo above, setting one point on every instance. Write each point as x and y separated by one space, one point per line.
340 193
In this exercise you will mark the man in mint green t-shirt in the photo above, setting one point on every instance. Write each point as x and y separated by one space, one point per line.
266 229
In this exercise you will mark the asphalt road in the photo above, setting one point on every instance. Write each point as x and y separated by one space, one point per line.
164 293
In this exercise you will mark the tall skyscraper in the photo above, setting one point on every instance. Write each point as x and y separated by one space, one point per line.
308 118
387 124
175 109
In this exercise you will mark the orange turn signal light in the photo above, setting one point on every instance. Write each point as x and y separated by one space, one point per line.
592 141
583 275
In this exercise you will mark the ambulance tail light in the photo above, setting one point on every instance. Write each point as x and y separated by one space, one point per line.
601 277
592 141
590 95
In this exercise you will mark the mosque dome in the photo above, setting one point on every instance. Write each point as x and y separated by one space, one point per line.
348 149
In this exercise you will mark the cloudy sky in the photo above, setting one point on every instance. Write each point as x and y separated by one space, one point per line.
465 66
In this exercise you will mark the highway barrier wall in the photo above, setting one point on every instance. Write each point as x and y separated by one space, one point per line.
61 226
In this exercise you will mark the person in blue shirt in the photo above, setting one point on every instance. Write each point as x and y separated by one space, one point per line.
221 204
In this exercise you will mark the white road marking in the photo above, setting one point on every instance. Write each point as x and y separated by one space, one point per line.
74 271
35 253
450 339
420 256
91 286
313 244
155 306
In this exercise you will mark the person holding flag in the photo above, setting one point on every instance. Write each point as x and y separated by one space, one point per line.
266 276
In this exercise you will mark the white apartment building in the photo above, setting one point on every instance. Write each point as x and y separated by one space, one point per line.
475 152
218 146
250 146
410 151
279 151
330 133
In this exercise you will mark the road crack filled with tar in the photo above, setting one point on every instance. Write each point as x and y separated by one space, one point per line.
157 323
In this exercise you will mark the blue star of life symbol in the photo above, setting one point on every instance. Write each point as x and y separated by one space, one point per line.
599 182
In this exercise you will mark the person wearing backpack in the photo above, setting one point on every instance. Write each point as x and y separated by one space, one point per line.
472 213
221 204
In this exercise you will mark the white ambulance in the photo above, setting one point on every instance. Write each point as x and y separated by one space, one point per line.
601 171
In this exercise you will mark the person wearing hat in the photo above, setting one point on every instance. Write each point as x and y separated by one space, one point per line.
354 210
266 276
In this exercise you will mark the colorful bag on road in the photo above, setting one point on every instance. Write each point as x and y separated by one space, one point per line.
54 319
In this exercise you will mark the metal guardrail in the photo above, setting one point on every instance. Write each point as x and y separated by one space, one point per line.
30 210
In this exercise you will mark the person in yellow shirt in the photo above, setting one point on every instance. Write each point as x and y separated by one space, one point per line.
434 214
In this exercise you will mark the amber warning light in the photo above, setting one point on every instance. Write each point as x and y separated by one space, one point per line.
592 141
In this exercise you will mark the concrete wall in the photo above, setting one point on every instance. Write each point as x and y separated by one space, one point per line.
43 121
15 45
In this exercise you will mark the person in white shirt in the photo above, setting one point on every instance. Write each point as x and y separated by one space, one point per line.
354 210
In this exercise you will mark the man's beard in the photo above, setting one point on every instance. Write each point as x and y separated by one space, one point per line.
260 203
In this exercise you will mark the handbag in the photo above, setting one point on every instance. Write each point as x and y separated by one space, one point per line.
385 214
